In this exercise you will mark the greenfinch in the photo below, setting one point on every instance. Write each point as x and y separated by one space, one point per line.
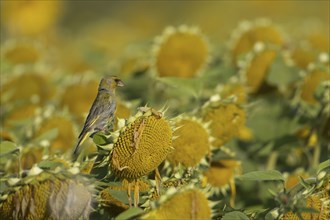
102 110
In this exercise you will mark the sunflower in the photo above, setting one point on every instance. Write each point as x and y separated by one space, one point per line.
226 120
142 145
53 195
193 142
174 55
187 203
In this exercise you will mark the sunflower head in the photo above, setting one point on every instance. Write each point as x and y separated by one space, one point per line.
53 195
226 120
78 98
21 52
65 133
143 143
310 83
249 33
30 18
175 55
187 203
33 87
220 173
192 144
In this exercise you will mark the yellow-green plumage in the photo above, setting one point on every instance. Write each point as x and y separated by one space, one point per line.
102 110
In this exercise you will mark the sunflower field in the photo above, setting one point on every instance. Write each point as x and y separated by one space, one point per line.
225 111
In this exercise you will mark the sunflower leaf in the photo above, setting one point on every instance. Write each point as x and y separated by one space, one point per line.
273 175
235 215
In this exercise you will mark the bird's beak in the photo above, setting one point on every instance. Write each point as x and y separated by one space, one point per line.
120 83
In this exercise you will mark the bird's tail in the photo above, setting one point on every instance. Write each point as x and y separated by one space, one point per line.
81 140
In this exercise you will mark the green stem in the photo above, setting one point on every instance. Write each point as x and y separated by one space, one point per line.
316 156
272 160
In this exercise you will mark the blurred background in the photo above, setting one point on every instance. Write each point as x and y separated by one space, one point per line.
126 22
254 69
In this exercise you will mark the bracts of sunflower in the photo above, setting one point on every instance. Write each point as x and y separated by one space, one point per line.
309 194
226 118
192 146
187 202
139 147
60 193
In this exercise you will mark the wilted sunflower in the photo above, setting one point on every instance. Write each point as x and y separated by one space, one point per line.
29 156
43 195
175 55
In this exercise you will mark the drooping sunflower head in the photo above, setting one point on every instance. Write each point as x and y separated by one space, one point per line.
310 83
220 175
249 33
192 142
53 195
143 143
186 203
64 129
21 52
33 88
256 66
78 97
180 52
226 120
236 90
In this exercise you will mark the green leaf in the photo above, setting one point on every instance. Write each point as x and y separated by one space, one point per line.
129 213
324 165
265 150
7 147
235 215
100 139
308 210
121 195
48 135
273 116
3 186
191 87
280 74
50 164
273 175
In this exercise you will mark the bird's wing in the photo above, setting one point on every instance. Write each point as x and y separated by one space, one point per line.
94 113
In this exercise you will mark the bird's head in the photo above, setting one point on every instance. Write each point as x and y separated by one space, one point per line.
110 83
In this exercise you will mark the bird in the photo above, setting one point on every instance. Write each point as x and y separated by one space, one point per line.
101 111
